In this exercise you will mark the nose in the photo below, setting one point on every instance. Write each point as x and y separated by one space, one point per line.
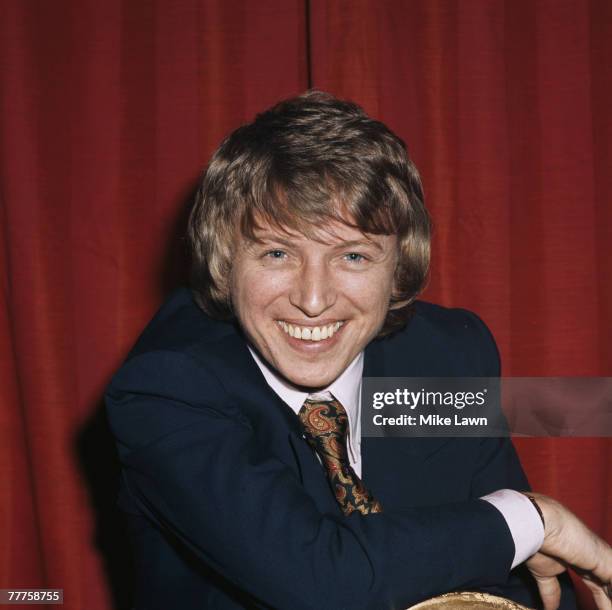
313 290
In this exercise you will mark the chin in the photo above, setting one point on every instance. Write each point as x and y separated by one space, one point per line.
311 382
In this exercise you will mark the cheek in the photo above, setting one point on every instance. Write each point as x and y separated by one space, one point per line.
254 290
371 294
242 293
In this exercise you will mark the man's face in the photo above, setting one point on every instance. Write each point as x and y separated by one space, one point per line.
309 307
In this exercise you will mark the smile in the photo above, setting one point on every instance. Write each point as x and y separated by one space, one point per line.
311 333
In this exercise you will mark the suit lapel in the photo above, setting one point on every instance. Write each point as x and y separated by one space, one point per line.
274 423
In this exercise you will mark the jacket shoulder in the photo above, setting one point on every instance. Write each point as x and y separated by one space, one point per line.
446 341
448 321
179 325
170 359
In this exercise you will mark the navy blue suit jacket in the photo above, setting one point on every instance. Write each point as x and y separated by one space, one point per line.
228 507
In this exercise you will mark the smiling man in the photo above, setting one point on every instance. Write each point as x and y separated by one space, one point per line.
246 483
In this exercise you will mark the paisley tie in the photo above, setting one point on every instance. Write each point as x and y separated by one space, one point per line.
325 425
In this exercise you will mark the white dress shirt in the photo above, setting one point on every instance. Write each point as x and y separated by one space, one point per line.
522 519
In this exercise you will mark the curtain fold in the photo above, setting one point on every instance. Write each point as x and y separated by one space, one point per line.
108 113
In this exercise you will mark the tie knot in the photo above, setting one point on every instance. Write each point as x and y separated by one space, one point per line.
323 415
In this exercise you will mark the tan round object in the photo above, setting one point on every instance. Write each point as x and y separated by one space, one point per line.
468 600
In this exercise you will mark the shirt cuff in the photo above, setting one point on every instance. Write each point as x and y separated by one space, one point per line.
523 521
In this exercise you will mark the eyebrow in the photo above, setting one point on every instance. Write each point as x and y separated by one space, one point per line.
344 244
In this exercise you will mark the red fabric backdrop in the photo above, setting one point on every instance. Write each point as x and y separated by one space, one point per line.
110 109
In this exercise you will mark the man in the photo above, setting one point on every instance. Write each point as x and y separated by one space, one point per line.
237 418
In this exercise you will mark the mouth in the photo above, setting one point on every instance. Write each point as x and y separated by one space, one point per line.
305 335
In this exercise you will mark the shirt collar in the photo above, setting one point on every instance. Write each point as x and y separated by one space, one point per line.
346 388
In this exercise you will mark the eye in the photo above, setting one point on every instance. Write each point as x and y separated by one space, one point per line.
275 254
355 257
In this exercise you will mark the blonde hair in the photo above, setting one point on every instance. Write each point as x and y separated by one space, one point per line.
308 159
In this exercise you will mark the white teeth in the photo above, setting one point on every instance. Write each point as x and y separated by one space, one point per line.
312 333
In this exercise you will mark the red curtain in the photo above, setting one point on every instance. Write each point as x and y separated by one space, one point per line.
109 110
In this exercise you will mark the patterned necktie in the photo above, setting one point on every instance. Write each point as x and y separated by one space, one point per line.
325 425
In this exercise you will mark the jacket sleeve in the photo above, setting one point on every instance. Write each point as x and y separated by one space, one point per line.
196 470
